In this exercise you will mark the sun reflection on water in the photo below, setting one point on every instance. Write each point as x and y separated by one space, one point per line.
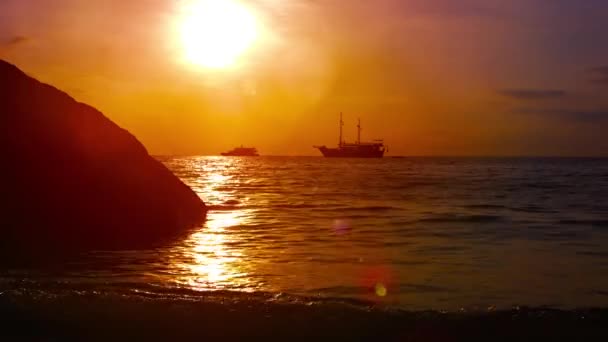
208 258
212 264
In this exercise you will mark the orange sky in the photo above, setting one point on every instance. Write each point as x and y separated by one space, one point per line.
432 77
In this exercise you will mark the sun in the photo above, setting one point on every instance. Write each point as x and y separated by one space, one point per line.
215 33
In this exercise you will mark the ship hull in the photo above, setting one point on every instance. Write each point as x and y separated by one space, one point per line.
351 153
226 154
242 152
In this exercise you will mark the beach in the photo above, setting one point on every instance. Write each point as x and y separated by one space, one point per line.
102 316
391 170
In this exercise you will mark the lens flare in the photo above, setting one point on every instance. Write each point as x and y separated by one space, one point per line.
341 226
378 279
380 290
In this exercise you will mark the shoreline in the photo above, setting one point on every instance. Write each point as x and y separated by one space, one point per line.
99 315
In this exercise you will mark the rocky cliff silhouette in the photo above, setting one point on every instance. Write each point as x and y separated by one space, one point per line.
73 179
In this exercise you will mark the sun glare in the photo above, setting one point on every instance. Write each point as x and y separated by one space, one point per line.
215 33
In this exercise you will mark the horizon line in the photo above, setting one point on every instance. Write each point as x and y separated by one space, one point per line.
398 156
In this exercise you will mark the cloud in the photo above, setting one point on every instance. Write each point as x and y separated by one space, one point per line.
462 8
16 40
533 94
600 75
580 116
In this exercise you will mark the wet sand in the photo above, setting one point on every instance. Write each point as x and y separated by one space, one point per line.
106 316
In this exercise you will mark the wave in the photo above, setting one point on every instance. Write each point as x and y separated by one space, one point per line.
484 206
294 206
422 288
362 290
414 184
595 223
441 249
563 235
397 244
543 186
224 207
235 205
456 218
593 254
343 290
149 314
533 209
372 208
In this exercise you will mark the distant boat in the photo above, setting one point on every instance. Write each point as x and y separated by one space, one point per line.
242 152
374 149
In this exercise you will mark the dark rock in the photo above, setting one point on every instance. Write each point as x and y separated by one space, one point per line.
73 179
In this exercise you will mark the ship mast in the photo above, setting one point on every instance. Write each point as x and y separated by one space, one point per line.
359 131
341 124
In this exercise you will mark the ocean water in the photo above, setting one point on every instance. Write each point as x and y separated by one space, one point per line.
412 233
